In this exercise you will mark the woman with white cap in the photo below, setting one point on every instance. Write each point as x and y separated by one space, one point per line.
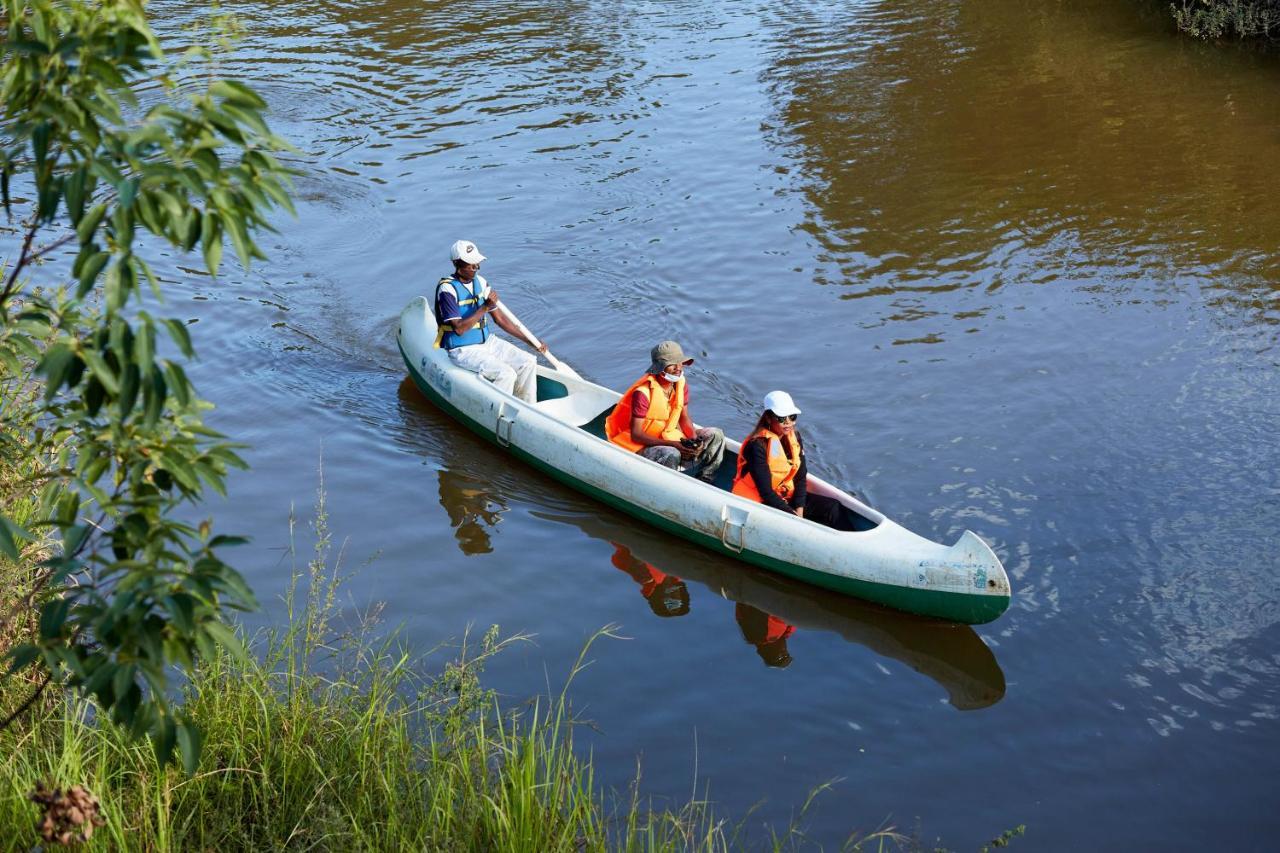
772 468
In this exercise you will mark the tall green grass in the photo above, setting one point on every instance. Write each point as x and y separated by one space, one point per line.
21 477
327 738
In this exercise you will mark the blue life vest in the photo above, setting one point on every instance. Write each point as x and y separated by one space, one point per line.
469 302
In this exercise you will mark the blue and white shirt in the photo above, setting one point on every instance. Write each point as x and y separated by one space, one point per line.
447 309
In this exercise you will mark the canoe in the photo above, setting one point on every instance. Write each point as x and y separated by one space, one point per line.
477 490
562 434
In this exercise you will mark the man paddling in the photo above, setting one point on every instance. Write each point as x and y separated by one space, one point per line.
463 304
652 418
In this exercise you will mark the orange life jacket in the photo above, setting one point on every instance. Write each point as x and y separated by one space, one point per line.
782 466
661 421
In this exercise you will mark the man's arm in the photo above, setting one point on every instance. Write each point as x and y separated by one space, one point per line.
686 423
640 404
463 326
490 306
639 437
505 324
447 309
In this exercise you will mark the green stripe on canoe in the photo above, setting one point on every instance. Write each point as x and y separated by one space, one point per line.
953 606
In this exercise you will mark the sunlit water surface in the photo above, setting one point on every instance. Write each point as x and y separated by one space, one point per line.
1016 262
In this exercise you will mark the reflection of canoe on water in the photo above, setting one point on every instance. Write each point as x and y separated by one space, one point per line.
952 655
562 434
475 496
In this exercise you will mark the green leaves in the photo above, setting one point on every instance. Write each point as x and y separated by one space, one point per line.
233 92
167 733
56 366
178 331
101 371
111 435
88 225
190 740
74 191
20 657
40 144
226 638
89 273
53 616
10 535
211 240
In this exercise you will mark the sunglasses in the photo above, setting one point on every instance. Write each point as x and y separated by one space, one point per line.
785 419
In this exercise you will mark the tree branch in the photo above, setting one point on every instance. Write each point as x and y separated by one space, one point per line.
56 244
21 709
23 260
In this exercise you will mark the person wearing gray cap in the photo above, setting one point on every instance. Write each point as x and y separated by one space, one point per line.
652 418
463 304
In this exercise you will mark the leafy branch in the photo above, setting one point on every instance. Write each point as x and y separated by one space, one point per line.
100 425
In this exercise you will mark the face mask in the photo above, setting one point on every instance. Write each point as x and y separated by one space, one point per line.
673 378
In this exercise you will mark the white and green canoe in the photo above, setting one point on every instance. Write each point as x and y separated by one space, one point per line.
563 435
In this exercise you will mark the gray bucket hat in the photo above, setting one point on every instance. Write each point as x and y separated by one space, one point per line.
667 352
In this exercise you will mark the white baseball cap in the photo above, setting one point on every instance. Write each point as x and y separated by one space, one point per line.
465 250
780 403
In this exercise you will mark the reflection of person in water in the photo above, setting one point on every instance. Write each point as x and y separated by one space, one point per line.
667 595
767 633
471 512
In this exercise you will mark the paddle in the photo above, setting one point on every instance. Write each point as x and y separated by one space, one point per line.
524 330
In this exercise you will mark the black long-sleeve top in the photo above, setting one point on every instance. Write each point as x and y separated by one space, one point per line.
755 455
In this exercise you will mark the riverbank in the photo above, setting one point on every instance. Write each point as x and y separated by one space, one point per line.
367 757
326 736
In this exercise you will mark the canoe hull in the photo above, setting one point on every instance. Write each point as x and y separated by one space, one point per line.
888 565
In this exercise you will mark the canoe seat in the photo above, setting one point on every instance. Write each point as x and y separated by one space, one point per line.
550 389
596 425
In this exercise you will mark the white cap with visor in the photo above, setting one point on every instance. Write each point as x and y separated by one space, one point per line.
780 403
465 251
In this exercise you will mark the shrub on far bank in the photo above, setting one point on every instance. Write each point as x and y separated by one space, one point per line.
1211 19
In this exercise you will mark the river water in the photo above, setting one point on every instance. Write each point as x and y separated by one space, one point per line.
1016 261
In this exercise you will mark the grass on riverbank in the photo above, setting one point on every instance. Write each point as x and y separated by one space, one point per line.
335 741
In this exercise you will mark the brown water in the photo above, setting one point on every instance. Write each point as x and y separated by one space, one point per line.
1016 261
